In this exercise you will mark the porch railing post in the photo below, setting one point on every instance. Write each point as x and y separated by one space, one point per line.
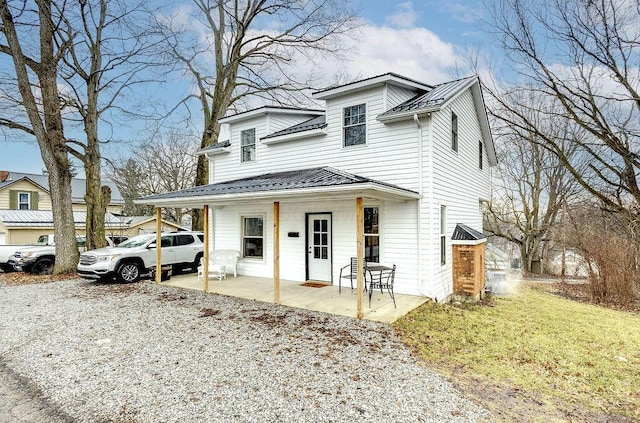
360 253
158 244
205 258
276 252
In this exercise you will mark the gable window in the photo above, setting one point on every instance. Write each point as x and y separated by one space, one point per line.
252 237
454 132
371 235
480 154
443 235
354 125
24 201
248 145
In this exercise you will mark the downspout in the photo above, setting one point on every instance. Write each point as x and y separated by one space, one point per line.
416 119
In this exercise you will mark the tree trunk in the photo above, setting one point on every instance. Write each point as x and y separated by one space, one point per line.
46 122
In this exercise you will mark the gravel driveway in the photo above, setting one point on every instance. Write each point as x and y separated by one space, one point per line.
147 353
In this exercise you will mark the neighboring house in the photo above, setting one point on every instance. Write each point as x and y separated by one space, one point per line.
419 157
25 206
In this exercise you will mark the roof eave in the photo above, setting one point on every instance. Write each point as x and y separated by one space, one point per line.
368 189
396 117
267 110
380 80
294 136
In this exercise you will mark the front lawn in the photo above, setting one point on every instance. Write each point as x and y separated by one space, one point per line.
534 356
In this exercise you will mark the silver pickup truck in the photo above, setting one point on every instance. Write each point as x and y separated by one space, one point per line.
137 256
7 251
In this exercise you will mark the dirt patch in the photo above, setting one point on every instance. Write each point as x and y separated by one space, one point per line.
22 278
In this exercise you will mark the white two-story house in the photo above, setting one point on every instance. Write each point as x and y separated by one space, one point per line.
417 156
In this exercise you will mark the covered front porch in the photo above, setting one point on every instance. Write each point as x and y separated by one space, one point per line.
325 299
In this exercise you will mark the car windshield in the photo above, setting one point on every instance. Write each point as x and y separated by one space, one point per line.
136 241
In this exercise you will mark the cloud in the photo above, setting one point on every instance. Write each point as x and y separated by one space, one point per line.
462 12
404 17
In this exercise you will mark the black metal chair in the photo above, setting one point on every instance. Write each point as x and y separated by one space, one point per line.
382 279
350 271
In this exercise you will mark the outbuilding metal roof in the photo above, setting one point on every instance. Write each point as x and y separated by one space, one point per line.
44 218
465 233
290 180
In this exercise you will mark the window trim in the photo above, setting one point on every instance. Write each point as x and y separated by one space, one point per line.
454 132
443 235
18 202
344 126
378 235
242 236
480 154
243 146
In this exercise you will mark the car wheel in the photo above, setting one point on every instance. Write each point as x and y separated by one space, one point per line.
128 272
43 266
196 262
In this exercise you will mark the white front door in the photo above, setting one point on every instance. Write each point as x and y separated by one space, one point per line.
319 246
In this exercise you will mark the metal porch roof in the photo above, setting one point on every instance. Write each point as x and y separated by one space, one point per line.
321 180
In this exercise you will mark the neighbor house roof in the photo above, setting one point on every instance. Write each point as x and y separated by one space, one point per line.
280 184
44 218
133 221
78 186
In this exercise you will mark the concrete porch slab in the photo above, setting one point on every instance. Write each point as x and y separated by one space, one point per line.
326 299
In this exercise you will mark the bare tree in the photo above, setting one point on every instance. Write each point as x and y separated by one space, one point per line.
162 163
584 55
532 186
37 83
249 47
110 53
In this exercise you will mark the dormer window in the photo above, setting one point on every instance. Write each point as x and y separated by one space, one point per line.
248 145
354 125
24 201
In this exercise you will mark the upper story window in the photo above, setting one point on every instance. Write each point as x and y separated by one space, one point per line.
354 125
24 201
248 145
454 132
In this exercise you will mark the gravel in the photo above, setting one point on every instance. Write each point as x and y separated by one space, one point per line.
148 353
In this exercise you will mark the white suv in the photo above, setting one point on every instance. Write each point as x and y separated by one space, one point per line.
137 256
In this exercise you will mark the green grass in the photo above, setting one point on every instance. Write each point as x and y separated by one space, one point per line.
567 358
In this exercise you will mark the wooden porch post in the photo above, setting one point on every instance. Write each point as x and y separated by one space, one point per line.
158 245
276 252
205 258
360 253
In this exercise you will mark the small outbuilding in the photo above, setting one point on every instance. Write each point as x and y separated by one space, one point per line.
468 261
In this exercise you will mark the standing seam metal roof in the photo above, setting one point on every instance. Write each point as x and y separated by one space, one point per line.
434 98
296 179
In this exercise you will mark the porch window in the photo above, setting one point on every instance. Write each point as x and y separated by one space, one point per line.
354 125
371 235
252 237
454 132
248 145
24 201
443 235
